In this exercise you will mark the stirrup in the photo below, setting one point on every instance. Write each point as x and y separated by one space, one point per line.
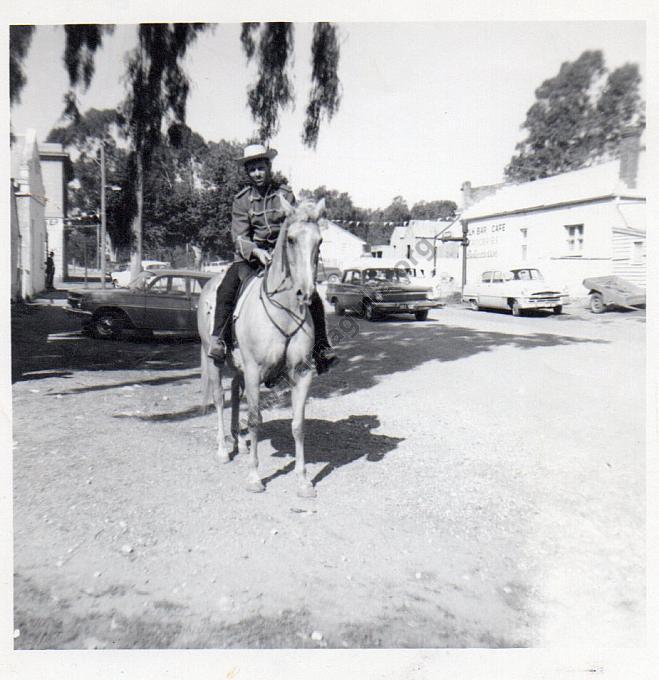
325 358
218 350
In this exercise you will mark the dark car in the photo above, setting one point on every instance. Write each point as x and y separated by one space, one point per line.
374 289
160 300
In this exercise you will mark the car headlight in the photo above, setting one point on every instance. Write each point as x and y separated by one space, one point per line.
378 297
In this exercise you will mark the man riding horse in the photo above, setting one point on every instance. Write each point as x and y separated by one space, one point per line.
257 217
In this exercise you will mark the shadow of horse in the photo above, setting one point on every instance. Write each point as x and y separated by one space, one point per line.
334 443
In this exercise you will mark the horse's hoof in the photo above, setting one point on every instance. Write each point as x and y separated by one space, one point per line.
255 487
306 491
223 458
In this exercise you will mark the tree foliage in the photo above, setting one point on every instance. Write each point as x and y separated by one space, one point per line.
20 38
577 118
82 42
324 98
434 210
397 211
157 93
273 90
338 205
83 136
273 44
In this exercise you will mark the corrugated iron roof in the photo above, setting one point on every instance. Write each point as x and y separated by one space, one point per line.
578 186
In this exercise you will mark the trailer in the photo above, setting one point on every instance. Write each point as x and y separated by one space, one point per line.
612 291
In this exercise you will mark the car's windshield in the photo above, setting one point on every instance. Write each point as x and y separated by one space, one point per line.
386 275
139 282
527 274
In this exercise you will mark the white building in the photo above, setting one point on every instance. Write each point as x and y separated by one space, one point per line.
28 210
588 222
418 246
339 246
57 171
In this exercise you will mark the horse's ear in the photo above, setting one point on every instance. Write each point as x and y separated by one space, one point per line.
320 208
286 206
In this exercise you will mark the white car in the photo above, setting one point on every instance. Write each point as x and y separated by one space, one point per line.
121 277
515 289
217 267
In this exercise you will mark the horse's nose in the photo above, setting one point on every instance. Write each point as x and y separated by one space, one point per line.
303 298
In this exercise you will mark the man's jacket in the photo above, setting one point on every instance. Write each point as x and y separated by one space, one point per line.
256 220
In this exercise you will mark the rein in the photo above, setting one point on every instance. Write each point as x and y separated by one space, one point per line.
269 296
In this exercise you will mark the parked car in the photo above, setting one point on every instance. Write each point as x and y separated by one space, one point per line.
328 274
121 277
216 267
515 289
374 289
157 300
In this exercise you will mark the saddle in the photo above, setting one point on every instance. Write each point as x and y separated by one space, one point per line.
245 286
277 373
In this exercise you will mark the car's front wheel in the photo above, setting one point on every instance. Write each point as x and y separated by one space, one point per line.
369 311
107 324
516 309
473 305
597 305
339 309
421 315
558 309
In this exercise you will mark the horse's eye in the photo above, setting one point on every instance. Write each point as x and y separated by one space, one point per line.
291 239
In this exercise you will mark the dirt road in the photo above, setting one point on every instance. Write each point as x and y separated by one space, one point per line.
480 483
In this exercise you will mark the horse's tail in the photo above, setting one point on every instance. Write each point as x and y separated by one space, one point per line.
206 386
205 317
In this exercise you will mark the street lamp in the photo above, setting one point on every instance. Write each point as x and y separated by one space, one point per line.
75 185
103 219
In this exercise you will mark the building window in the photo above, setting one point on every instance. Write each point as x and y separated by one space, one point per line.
574 234
638 252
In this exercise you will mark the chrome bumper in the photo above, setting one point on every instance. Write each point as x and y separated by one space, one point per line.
412 306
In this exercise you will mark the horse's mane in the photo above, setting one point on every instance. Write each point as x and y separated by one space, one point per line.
305 211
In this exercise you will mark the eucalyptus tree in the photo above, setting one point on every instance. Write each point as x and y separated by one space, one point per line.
577 118
157 94
157 86
20 38
273 45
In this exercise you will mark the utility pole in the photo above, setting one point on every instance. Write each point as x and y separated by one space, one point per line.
464 242
103 237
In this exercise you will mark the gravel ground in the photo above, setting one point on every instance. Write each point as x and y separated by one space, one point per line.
480 478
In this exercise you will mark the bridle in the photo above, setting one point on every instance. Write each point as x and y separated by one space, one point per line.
267 296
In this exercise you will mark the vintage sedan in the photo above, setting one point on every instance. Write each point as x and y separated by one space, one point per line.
373 288
516 290
156 300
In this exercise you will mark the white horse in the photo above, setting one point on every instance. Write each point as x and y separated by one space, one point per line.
275 338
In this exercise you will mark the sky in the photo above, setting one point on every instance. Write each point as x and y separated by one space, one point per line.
424 106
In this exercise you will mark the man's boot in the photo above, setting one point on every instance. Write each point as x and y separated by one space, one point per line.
220 344
324 356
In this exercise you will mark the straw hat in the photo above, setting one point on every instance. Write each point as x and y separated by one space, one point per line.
253 152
